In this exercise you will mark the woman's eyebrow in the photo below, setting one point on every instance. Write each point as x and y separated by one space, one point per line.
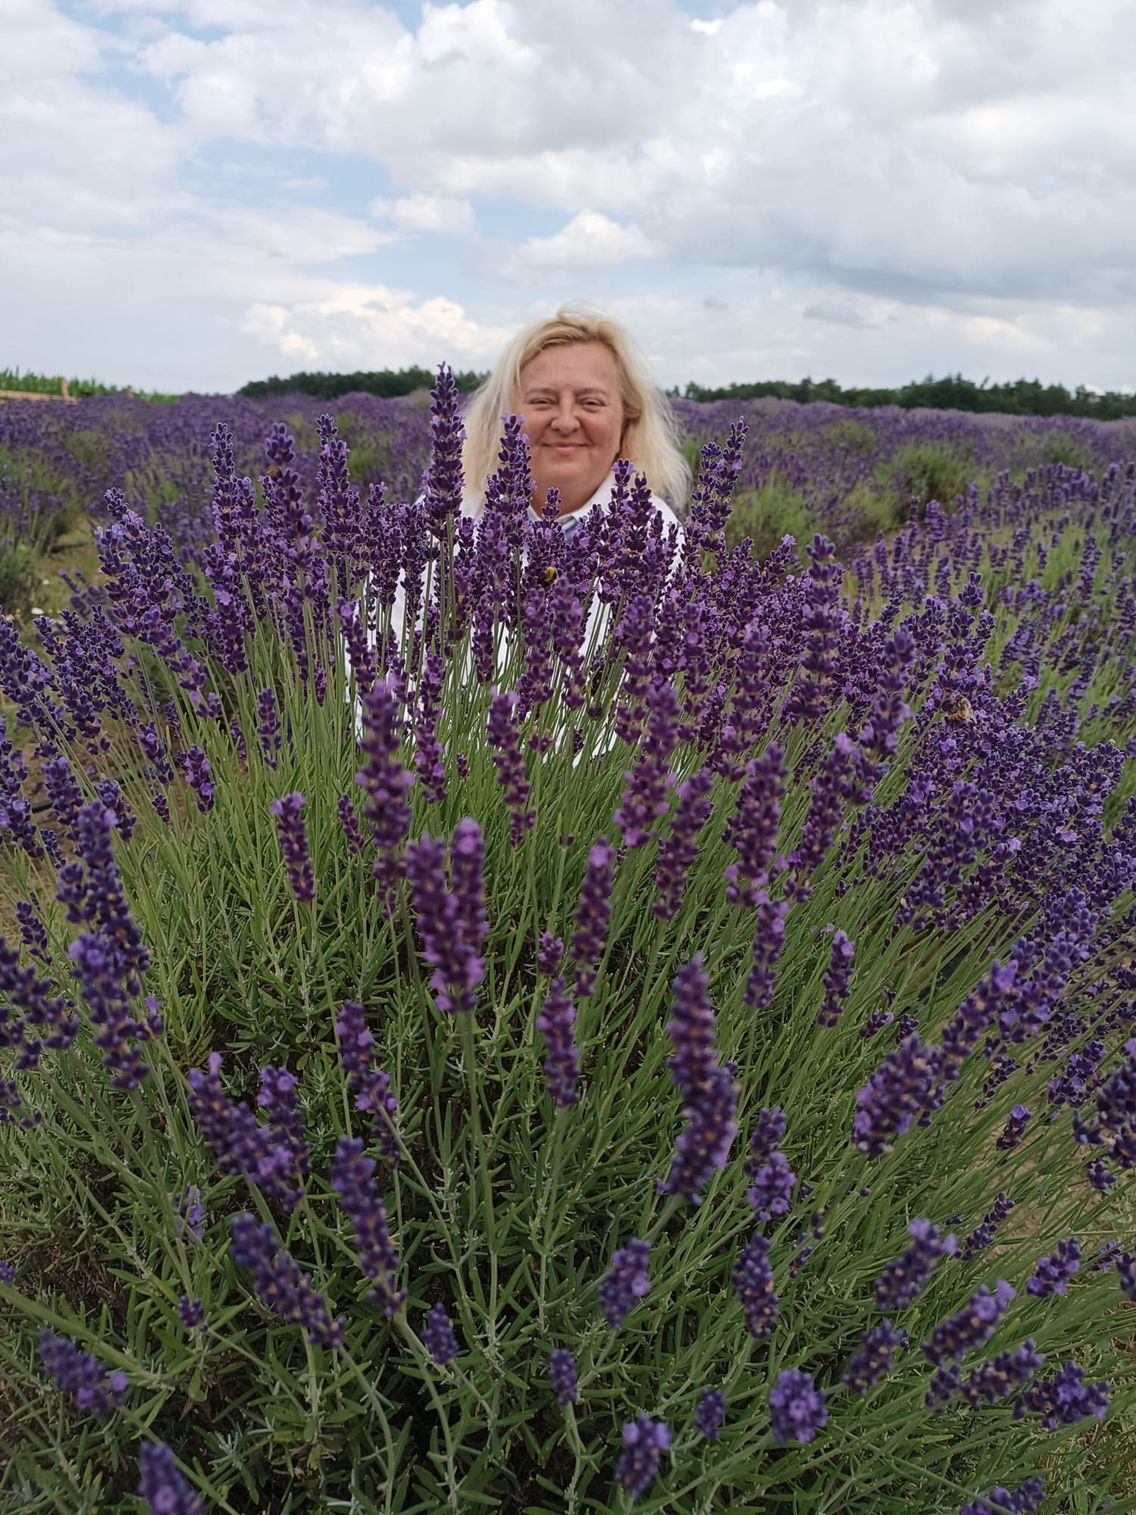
549 389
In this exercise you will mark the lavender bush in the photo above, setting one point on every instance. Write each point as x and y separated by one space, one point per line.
448 1068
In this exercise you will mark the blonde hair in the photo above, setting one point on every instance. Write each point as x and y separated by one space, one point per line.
650 427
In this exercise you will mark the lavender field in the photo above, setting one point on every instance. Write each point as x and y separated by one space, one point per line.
448 1062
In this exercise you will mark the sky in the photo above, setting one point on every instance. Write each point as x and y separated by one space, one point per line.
194 193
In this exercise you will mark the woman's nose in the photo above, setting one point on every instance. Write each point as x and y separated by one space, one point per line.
565 417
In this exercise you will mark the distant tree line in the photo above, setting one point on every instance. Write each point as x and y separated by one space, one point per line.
1022 397
386 382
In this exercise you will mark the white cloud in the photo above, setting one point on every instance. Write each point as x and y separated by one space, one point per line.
589 240
361 327
426 213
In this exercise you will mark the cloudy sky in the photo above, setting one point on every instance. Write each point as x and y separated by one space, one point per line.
198 192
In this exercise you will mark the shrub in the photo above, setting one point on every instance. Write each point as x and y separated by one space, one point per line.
731 1010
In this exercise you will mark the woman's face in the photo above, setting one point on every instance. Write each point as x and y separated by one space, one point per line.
569 397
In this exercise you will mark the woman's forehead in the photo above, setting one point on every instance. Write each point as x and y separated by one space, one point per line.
575 365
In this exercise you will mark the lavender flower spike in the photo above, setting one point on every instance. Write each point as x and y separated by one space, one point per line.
162 1486
352 1178
626 1282
971 1327
1053 1273
644 1442
710 1414
369 1085
562 1376
1025 1500
438 1337
280 1283
592 917
294 844
796 1408
901 1281
709 1093
562 1058
81 1375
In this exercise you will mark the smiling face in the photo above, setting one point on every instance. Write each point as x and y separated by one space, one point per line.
570 399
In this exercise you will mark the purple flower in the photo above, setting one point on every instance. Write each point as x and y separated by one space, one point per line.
352 1176
905 1085
562 1375
710 1413
768 940
709 1093
562 1058
452 925
1016 1124
678 851
504 739
592 917
872 1360
428 762
837 979
369 1085
240 1143
752 830
1053 1273
998 1378
7 1272
199 776
971 1327
752 1277
983 1233
269 728
161 1485
280 1283
384 782
191 1313
1064 1398
293 837
438 1336
348 819
773 1181
644 795
1024 1501
796 1408
549 954
82 1375
626 1282
644 1442
903 1280
277 1098
189 1213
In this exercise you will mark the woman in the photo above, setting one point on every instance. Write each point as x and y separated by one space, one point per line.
587 398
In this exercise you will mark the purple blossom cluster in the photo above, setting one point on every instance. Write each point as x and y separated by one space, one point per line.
644 1442
438 1336
796 1407
162 1486
1052 1273
562 1376
709 1091
873 1358
1064 1398
352 1176
592 917
983 1233
903 1280
240 1143
452 924
626 1282
280 1283
752 1278
1025 1500
368 1085
710 1414
293 838
972 1327
772 1181
81 1375
562 1057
